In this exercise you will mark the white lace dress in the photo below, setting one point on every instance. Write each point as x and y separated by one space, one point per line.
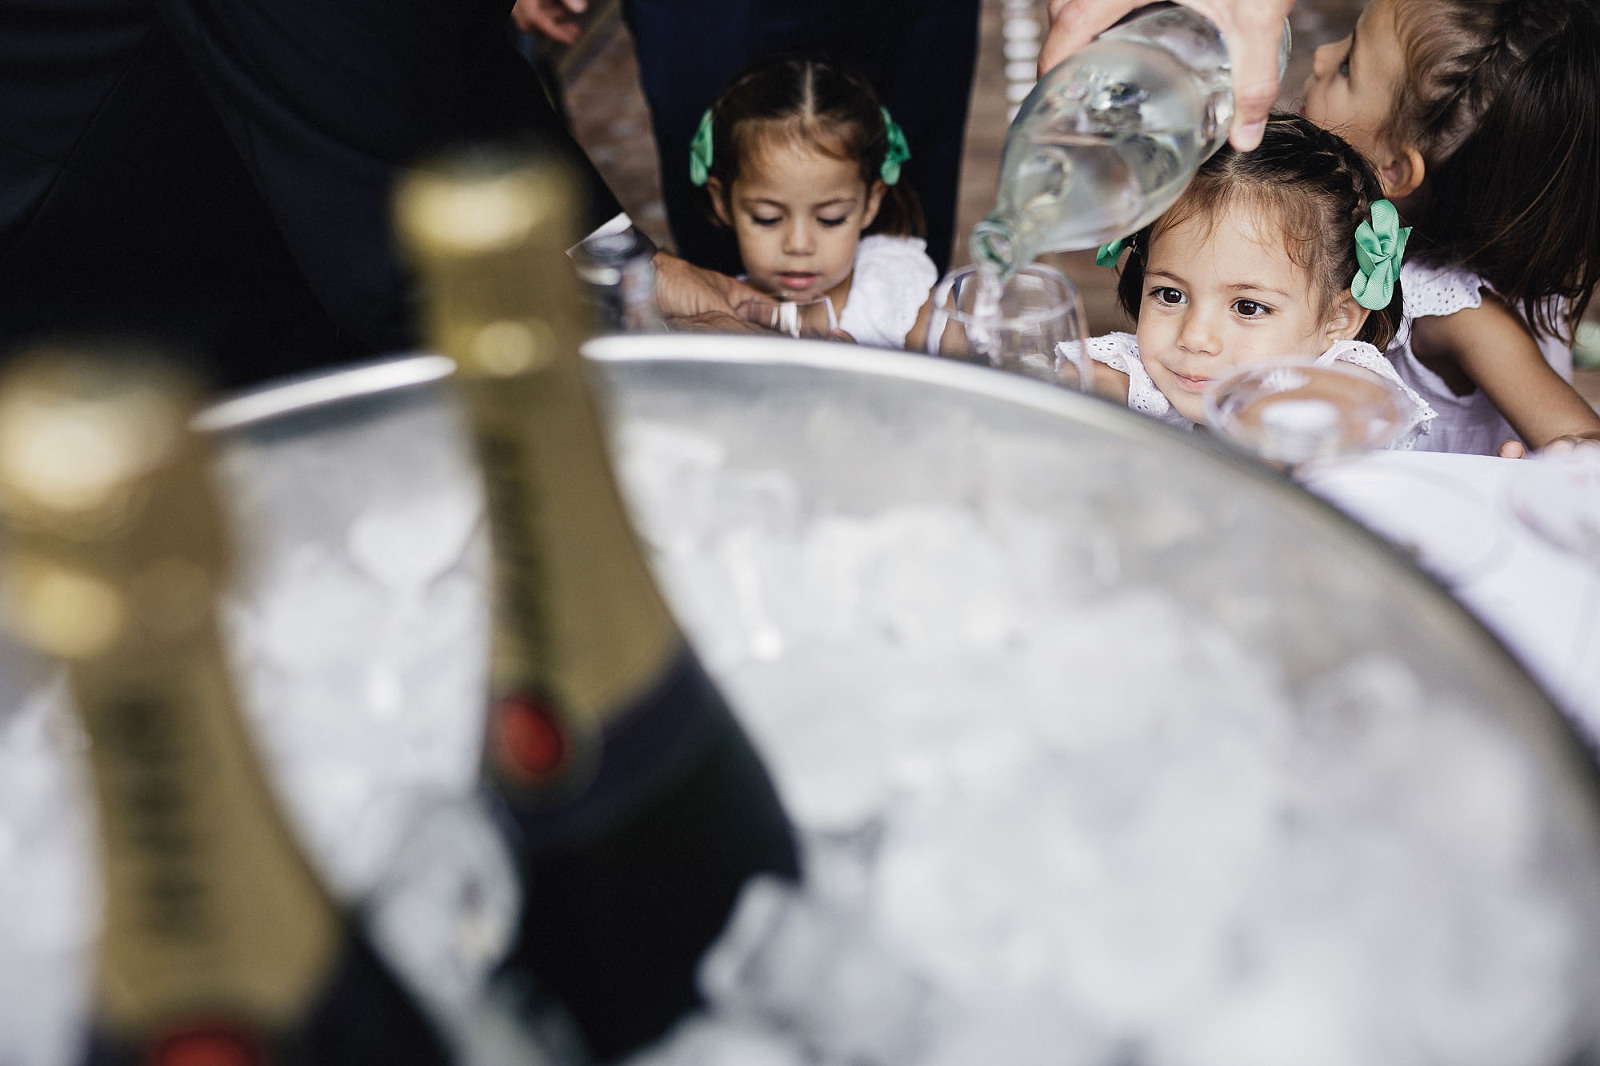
1470 423
1120 351
892 279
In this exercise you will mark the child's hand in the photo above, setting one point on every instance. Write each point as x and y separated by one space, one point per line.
1515 449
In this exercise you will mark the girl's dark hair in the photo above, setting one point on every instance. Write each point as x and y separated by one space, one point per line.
1502 99
822 104
1317 187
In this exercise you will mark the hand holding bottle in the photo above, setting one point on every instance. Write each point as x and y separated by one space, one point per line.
1252 29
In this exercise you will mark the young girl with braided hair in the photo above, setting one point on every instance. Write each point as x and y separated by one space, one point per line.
801 161
1482 120
1285 251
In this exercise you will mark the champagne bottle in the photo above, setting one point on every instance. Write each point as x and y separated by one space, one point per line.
1110 136
219 945
638 806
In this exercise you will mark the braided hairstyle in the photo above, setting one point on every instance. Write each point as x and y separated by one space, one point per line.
1313 183
819 103
1502 100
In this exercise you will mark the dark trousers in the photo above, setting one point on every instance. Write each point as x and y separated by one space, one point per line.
919 54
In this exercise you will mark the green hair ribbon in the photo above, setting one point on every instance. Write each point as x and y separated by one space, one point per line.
700 151
1110 252
899 151
1379 246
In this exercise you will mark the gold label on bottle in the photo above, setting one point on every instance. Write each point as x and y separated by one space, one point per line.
116 550
210 910
580 629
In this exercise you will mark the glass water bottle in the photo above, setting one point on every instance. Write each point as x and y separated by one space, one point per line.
1109 137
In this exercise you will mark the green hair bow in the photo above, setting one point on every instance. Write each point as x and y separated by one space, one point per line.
899 151
700 151
1110 252
1379 247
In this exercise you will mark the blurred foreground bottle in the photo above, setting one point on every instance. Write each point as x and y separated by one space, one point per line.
219 946
1109 137
637 805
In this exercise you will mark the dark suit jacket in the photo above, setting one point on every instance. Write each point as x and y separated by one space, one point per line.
215 174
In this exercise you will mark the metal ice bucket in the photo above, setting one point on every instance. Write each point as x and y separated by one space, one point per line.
1121 675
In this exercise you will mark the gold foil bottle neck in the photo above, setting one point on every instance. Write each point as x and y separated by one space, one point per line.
486 202
580 631
78 435
115 554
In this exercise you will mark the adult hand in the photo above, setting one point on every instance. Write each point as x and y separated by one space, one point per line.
1252 28
686 291
554 19
711 322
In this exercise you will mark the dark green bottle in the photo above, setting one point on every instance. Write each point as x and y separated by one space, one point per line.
637 805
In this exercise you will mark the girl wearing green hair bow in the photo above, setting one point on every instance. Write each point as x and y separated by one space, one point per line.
1481 120
1285 251
800 160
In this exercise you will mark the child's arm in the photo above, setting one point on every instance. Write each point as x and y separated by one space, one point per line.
917 337
1496 351
1108 382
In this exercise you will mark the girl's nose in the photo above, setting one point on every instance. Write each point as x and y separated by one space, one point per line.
1199 334
798 239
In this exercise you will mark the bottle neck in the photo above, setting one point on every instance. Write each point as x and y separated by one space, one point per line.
1003 243
211 913
580 630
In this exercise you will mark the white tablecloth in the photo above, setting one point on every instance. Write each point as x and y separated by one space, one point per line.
1454 512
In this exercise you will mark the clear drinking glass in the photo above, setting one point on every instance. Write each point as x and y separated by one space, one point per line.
1034 327
797 318
1293 411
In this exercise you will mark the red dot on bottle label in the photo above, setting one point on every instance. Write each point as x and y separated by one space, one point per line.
206 1046
529 737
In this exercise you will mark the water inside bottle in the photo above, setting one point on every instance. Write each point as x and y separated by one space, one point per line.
1076 191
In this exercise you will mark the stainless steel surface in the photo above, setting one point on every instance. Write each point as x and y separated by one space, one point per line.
359 489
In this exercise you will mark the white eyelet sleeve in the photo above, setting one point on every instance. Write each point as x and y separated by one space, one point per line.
1368 358
1120 351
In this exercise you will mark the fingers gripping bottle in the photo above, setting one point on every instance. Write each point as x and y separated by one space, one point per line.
638 806
1109 137
219 945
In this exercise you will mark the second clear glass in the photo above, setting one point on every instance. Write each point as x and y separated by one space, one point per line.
1037 328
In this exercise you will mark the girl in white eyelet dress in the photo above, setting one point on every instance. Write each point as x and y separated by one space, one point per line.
1468 422
1252 264
801 161
1480 119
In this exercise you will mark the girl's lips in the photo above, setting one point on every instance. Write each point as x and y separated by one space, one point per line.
1193 384
796 281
